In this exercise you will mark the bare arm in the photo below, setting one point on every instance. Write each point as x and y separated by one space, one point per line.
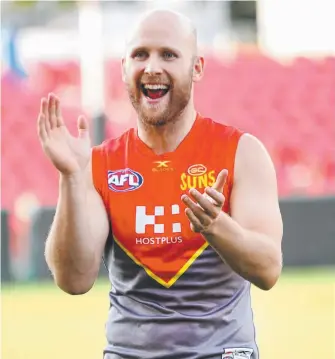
250 240
78 234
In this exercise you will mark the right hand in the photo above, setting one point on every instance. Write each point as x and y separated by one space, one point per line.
69 154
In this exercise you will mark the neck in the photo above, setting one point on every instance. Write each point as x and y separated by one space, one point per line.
163 139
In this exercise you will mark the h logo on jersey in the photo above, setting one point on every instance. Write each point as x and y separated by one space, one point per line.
124 180
143 219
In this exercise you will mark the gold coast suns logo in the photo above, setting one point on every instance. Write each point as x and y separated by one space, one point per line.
198 177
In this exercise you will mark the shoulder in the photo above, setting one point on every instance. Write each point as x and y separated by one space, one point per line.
252 157
250 147
221 129
113 145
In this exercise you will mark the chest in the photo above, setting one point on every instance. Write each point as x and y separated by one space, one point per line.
145 194
147 215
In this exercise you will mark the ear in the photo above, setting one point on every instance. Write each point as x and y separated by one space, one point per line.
123 69
198 68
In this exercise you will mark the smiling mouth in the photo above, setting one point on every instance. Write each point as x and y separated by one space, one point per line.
156 91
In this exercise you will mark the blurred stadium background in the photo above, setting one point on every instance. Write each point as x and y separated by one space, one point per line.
270 70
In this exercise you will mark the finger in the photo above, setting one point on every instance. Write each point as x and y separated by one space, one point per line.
41 127
82 125
197 210
45 113
195 223
52 111
59 117
220 180
204 202
217 197
44 107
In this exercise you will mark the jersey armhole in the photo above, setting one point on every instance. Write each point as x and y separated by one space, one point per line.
234 141
99 176
98 169
233 144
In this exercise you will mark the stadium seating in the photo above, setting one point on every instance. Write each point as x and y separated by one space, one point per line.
290 107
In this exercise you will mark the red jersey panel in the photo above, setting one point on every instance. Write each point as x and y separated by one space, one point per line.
142 193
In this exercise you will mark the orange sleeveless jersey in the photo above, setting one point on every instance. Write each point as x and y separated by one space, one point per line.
142 193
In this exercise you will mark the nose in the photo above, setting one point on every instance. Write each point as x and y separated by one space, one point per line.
153 66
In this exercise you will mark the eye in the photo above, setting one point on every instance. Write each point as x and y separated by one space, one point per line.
140 55
168 55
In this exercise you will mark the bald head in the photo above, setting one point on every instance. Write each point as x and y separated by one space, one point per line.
161 50
165 23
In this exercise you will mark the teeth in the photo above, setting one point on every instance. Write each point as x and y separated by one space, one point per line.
155 87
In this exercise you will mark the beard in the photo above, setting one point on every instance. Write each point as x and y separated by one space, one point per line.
162 113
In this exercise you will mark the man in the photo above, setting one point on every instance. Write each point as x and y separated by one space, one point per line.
192 204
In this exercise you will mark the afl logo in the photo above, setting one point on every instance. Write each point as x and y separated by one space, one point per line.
197 170
124 180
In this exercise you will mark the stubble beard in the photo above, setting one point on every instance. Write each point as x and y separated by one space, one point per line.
178 101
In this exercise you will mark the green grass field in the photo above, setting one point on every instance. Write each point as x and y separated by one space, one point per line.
295 320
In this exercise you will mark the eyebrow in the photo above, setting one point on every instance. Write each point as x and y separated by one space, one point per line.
133 50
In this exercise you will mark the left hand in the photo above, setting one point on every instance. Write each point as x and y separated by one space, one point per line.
209 205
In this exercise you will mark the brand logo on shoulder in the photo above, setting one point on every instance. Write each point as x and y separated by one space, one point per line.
124 180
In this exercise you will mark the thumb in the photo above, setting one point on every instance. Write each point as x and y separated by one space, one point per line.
220 180
82 125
